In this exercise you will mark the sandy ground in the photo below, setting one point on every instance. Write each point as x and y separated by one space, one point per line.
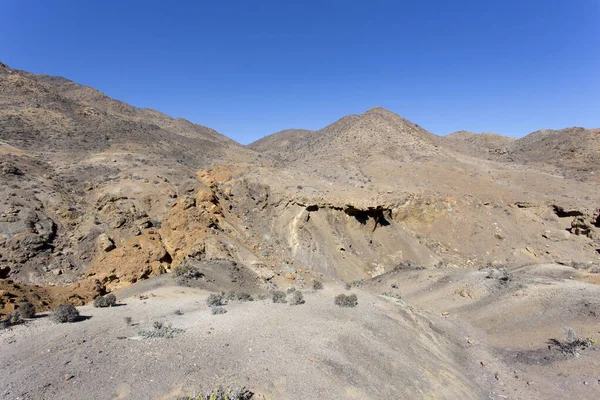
378 350
517 319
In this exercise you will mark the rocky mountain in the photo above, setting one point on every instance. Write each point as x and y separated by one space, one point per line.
376 132
481 247
77 165
478 144
99 194
574 152
281 143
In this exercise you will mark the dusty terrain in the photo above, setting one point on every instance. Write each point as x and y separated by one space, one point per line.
100 196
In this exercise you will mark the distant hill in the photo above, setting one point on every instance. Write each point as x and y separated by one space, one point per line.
478 143
575 151
376 132
282 142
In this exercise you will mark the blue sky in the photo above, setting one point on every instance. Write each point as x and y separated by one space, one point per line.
250 68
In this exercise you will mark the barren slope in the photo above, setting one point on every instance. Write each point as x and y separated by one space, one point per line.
478 144
575 152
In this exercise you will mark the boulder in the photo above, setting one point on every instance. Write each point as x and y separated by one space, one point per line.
105 243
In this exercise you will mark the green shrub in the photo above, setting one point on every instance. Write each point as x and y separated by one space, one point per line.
65 313
343 300
278 296
317 285
290 290
297 298
108 300
26 310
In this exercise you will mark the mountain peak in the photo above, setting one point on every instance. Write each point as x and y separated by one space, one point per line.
377 110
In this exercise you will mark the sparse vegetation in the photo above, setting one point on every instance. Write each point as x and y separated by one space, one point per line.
392 294
231 392
128 321
160 331
243 296
357 283
297 298
278 297
217 310
186 271
26 310
347 286
178 312
317 285
343 300
572 345
65 313
214 300
290 290
10 320
229 295
500 274
108 300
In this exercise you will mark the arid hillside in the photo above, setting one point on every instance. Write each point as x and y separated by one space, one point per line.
99 194
81 171
468 255
478 144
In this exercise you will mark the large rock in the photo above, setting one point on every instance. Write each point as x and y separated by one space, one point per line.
105 243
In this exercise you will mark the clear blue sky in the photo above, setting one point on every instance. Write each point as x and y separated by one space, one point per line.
250 68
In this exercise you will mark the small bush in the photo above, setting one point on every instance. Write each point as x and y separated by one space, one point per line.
10 320
160 331
186 271
262 296
229 393
500 274
65 313
357 283
229 295
290 290
318 285
243 296
343 300
217 310
278 297
128 320
26 310
215 300
108 300
573 344
348 286
178 312
297 298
